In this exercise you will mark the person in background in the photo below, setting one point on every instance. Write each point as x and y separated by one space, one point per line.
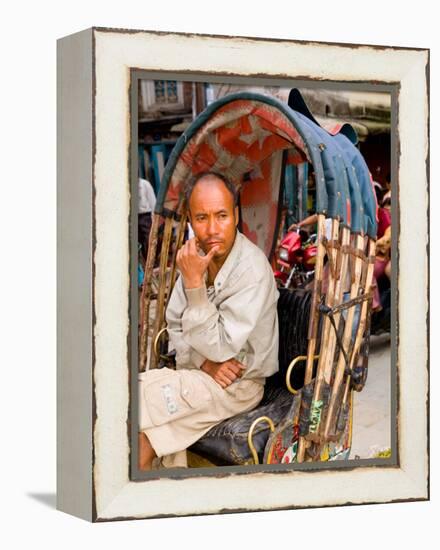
312 220
383 213
387 193
382 265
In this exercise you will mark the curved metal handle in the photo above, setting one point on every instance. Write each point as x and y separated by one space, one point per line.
251 431
156 341
297 359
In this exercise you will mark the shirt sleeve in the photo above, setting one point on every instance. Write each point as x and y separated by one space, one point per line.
185 354
220 333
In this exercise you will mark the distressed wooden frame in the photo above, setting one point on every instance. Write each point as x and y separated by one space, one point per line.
95 480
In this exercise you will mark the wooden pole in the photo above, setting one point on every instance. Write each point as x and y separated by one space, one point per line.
325 355
179 240
347 337
363 318
146 292
160 303
314 319
323 397
340 279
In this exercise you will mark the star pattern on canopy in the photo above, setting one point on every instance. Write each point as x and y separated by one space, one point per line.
257 133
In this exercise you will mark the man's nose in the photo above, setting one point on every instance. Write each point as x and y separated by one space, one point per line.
212 225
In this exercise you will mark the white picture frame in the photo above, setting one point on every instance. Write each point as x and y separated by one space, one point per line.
94 172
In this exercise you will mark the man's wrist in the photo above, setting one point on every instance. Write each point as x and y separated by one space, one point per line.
205 366
192 283
197 297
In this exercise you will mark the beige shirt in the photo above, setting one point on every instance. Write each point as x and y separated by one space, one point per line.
236 317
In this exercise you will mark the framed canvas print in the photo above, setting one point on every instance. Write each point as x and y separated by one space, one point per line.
242 274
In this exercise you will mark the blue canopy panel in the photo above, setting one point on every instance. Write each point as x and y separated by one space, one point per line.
334 171
361 173
362 196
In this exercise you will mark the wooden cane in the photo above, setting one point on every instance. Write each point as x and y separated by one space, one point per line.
160 303
146 292
314 319
347 336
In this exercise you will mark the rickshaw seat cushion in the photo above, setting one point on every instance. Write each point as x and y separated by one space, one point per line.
227 443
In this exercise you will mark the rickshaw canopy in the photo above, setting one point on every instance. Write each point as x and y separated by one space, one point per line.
250 138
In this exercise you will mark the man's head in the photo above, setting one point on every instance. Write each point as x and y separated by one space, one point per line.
213 212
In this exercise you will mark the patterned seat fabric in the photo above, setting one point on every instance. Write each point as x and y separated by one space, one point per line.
226 443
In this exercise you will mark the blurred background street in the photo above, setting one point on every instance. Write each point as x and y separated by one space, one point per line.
372 406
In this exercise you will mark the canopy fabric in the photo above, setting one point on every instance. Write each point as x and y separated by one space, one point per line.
341 141
233 139
249 138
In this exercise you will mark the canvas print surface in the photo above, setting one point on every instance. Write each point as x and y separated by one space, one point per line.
264 275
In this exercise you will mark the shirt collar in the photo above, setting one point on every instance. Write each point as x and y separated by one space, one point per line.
229 264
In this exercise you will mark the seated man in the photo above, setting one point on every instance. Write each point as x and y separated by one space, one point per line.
222 322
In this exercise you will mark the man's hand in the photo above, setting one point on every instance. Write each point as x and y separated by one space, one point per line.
224 373
191 265
294 227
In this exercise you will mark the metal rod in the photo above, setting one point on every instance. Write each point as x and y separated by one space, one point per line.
363 316
251 433
290 368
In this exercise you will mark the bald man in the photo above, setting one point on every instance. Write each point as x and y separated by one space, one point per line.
222 322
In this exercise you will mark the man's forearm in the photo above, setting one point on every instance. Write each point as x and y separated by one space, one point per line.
220 333
223 373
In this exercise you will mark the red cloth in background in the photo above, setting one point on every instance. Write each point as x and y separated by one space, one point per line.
384 221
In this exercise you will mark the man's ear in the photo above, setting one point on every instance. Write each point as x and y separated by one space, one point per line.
236 215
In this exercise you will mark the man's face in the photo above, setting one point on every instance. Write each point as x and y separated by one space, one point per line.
213 216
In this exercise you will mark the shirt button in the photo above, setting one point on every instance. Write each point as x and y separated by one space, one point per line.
185 392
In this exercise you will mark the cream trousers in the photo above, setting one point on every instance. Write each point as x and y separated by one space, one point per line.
177 407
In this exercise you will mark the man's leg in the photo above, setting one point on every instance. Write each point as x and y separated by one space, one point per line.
146 452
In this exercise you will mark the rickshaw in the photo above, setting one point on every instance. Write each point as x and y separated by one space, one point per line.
259 142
